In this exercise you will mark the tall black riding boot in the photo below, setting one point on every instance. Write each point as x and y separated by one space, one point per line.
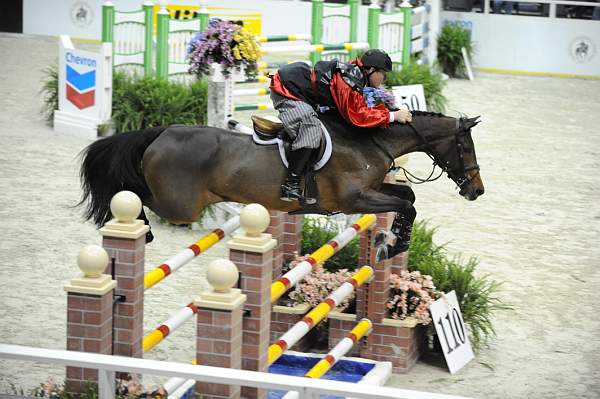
299 161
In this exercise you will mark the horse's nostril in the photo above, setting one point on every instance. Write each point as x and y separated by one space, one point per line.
480 191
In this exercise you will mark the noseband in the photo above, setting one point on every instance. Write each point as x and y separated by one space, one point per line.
457 174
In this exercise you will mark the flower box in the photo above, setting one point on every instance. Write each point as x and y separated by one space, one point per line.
401 342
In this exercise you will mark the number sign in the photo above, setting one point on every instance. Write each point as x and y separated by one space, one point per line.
451 332
411 97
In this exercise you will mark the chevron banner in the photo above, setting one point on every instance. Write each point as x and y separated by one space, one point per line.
84 89
80 87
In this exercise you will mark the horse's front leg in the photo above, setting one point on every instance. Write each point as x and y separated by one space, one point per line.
402 226
378 201
399 190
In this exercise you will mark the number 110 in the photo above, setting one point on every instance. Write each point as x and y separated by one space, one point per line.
456 325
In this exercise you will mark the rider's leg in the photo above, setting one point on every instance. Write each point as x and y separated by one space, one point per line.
299 161
303 126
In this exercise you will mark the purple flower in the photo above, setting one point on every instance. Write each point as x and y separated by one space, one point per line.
375 95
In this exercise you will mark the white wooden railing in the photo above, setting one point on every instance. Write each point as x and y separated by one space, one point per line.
107 366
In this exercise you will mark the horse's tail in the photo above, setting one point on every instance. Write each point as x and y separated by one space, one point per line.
111 165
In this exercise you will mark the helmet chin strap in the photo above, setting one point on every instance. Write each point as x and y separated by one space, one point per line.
369 75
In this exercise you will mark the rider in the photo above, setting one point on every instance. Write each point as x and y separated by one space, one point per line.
299 92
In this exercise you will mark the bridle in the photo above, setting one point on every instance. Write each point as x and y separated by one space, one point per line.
458 174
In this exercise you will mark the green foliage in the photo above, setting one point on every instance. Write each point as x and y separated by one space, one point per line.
450 41
477 296
430 78
49 92
316 232
142 102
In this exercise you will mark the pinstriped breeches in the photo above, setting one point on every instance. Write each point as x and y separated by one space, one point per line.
299 120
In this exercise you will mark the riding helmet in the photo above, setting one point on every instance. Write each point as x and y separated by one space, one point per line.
377 59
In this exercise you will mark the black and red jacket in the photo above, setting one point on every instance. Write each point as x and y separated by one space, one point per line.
331 84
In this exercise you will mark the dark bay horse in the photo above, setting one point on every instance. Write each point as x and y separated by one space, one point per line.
179 170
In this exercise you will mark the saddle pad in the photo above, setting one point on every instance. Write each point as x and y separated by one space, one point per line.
318 165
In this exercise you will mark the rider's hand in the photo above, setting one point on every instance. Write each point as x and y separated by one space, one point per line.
403 116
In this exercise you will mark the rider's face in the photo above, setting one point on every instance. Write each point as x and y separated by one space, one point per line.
376 79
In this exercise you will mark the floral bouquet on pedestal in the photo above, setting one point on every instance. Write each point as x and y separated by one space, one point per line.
318 285
376 95
227 44
411 294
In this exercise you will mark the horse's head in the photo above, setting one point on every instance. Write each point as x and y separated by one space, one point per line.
459 160
449 143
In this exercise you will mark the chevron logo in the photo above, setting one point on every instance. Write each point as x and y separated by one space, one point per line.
81 88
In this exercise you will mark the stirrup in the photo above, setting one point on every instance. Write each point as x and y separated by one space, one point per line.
289 194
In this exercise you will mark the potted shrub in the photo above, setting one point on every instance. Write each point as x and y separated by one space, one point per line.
430 78
451 40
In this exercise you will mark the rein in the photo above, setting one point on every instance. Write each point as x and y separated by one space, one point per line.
431 153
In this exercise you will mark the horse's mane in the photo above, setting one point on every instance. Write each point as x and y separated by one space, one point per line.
335 122
426 113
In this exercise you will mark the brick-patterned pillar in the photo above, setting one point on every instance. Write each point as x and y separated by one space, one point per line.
124 238
292 236
367 255
372 297
219 327
399 262
400 342
287 230
89 314
276 229
253 254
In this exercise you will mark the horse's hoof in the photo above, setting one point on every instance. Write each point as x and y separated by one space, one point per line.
149 237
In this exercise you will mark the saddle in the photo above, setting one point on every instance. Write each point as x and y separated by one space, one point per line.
270 131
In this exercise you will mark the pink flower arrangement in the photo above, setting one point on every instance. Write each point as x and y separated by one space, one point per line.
411 294
318 285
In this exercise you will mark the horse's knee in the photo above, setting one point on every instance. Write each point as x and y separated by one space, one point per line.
408 193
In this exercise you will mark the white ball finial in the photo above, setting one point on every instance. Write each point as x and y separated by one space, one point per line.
222 274
126 206
92 260
254 219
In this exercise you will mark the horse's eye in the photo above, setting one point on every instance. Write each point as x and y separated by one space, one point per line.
468 150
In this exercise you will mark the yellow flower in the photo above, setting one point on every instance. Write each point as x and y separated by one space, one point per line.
247 47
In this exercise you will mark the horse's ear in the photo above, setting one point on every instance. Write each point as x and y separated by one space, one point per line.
471 122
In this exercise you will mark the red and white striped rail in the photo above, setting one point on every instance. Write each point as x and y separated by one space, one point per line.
173 323
185 256
318 313
363 328
291 278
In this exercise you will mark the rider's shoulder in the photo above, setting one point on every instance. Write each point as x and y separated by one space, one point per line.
351 74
